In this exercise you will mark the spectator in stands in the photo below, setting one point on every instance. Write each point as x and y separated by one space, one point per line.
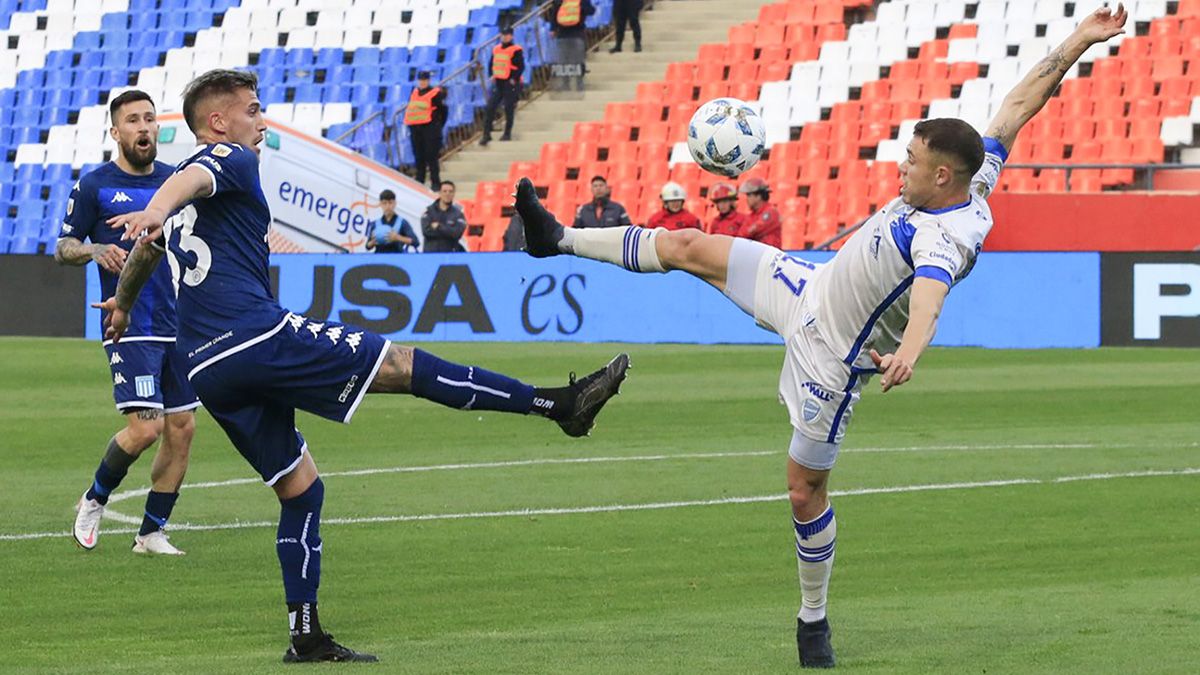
514 236
728 221
764 223
444 223
506 68
602 211
425 117
673 216
567 25
626 11
391 233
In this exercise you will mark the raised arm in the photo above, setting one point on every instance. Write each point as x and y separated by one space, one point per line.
924 308
1032 93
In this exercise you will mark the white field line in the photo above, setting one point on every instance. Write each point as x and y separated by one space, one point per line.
610 508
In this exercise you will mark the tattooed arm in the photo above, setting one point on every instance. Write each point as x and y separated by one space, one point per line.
1028 97
138 268
71 251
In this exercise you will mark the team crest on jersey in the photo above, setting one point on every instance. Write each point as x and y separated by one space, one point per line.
221 150
144 385
70 205
67 229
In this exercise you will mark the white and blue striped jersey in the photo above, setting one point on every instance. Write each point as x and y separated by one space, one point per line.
860 298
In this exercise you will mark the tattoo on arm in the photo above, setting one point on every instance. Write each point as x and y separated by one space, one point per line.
149 414
71 251
1054 64
138 268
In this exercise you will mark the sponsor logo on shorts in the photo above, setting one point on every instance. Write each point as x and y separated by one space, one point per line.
223 336
818 391
116 358
352 341
811 410
349 388
144 385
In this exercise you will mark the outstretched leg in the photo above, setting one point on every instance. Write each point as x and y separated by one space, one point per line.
816 537
407 370
636 249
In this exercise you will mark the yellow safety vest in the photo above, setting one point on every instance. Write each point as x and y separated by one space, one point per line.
420 107
569 13
502 61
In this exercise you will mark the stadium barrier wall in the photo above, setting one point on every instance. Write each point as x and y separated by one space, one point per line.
1113 222
1011 300
1151 299
41 298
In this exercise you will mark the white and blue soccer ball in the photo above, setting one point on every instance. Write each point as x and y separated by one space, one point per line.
726 137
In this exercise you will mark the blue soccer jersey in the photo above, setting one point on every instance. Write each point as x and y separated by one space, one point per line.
106 192
218 246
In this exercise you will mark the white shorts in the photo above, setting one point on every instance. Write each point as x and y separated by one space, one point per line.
817 387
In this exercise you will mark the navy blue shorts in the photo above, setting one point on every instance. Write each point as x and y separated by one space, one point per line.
254 389
149 373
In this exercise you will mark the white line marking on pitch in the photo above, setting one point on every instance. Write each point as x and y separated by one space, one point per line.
610 508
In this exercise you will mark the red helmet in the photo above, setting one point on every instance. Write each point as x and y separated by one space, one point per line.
722 191
754 186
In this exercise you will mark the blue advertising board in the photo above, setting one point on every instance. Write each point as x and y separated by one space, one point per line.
1011 300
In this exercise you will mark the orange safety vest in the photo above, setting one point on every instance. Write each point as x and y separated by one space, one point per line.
569 13
502 61
420 107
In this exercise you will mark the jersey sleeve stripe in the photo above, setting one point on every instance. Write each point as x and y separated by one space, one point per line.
934 272
992 146
212 176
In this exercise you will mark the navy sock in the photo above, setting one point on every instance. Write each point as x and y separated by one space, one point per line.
158 510
298 544
111 472
467 387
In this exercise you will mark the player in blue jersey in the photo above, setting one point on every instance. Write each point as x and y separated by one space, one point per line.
871 310
254 363
149 380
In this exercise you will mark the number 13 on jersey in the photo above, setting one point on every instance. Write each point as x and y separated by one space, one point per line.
194 258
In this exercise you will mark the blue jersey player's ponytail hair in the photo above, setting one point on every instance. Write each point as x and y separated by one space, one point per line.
217 82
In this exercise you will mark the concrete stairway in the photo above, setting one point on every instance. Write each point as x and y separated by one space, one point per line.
672 31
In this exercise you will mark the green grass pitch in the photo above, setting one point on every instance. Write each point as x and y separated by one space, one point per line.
453 544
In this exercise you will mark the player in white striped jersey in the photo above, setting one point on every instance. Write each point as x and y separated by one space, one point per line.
872 309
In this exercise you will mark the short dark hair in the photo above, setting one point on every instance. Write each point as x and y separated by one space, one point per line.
953 137
214 83
600 178
131 96
447 182
387 195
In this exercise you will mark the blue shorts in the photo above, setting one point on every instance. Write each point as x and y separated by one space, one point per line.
149 373
254 389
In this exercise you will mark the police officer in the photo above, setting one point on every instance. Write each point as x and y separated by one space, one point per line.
425 116
626 12
567 25
506 68
764 223
601 211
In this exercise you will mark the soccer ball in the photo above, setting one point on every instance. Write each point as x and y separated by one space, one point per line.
726 137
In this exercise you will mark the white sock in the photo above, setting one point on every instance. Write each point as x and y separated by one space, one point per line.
631 247
814 551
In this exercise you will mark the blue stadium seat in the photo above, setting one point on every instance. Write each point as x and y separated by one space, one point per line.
114 21
299 75
5 243
272 56
86 41
308 93
26 116
59 78
364 94
115 60
299 57
28 227
143 59
366 56
91 59
269 95
329 57
143 22
367 74
424 56
395 55
24 245
58 174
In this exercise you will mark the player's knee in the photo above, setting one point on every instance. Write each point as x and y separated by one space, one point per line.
143 431
181 428
806 492
676 248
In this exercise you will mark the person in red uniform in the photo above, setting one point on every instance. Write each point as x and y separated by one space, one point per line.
764 222
728 221
673 216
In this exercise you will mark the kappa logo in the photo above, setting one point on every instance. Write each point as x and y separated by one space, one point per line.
119 379
315 328
116 358
296 321
334 333
121 198
352 341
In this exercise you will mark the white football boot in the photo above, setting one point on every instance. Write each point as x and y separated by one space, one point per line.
156 543
87 522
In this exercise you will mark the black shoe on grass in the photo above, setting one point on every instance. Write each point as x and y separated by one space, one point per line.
325 649
812 640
